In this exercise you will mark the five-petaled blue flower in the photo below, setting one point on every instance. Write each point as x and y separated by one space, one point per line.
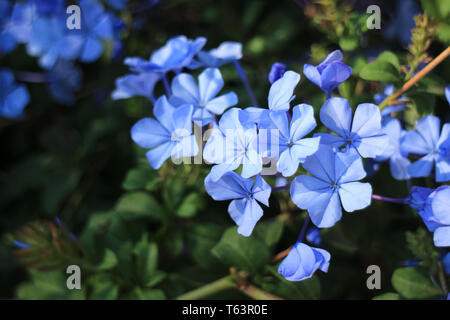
398 160
168 136
13 97
425 141
302 261
202 97
233 143
329 73
432 206
364 133
226 52
292 149
244 209
176 54
333 182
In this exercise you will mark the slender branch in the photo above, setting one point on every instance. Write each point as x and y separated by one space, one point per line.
442 279
257 293
387 199
210 289
244 80
281 254
441 57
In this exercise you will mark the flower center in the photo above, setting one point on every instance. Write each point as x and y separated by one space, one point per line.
334 185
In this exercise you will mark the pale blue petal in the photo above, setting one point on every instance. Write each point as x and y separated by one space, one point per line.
331 139
182 118
367 120
92 50
261 190
245 213
163 111
414 143
148 133
281 91
230 186
304 148
303 121
219 104
312 74
334 56
441 236
158 155
185 88
348 167
443 169
281 122
336 115
287 163
399 167
334 74
210 83
422 167
429 128
186 147
355 195
372 146
251 164
321 164
220 169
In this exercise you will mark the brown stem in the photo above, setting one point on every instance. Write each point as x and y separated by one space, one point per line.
441 57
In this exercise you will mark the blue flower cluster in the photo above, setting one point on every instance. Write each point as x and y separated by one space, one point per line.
240 141
42 27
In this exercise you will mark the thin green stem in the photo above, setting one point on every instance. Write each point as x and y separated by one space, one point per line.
210 289
258 294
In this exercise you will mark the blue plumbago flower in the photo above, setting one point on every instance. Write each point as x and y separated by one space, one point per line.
168 136
333 182
244 209
402 21
48 7
397 158
13 97
302 261
292 149
176 54
425 141
132 85
329 73
276 71
226 52
432 206
379 97
21 20
96 26
281 92
64 79
8 41
313 236
204 96
364 134
447 93
233 143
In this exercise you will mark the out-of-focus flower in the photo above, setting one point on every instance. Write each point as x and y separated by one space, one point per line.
64 79
226 52
313 236
132 85
244 209
13 97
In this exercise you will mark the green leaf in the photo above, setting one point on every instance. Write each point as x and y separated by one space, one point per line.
141 179
436 8
412 283
138 205
201 239
109 261
247 253
348 43
387 296
156 278
380 70
269 231
193 203
390 57
103 288
146 259
146 294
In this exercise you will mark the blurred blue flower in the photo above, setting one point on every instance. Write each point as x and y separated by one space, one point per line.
425 141
64 79
21 245
276 71
364 134
313 236
402 21
333 181
13 97
447 93
302 261
232 143
8 41
202 96
386 112
96 26
446 263
291 148
244 209
176 54
48 7
168 136
132 85
226 52
398 160
329 73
